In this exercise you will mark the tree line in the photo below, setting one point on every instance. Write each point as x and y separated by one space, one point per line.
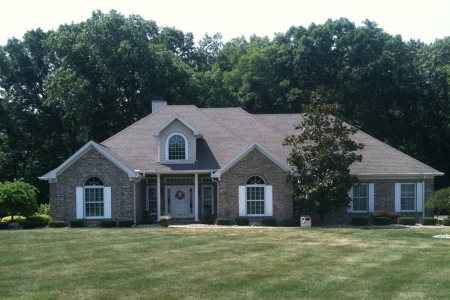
88 80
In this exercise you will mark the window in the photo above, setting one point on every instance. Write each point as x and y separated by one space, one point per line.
360 197
151 200
207 199
94 205
255 195
407 196
176 147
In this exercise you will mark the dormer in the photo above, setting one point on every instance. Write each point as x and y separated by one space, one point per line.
177 141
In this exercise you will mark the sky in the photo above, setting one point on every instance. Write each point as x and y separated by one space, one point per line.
424 20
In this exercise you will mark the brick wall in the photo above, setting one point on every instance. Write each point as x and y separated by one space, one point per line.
92 163
255 164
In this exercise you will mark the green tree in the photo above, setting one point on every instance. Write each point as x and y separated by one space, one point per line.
18 198
440 201
322 154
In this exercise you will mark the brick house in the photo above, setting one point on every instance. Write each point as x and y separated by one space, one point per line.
187 161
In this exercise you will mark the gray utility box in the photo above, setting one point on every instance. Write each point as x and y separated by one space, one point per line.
305 221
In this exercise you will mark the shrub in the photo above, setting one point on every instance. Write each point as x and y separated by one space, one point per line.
240 221
56 224
108 224
3 226
147 218
359 221
76 224
406 221
28 224
446 222
207 218
126 223
269 222
44 209
291 222
386 214
40 219
381 221
428 221
17 219
223 221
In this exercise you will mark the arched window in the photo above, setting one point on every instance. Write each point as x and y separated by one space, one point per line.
255 195
94 204
176 147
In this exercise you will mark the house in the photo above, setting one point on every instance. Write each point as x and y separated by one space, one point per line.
188 161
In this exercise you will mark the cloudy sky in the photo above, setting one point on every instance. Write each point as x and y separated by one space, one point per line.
424 20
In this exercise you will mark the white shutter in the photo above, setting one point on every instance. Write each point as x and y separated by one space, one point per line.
269 201
397 197
419 196
107 201
350 207
371 197
242 201
80 202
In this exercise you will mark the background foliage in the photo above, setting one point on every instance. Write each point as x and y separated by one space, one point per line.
86 81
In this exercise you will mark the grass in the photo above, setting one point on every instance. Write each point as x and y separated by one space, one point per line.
224 263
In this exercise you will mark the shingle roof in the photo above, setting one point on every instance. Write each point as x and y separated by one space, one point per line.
227 131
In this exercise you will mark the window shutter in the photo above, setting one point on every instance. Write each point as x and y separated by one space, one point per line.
371 197
350 207
242 201
269 201
80 202
107 201
419 196
397 197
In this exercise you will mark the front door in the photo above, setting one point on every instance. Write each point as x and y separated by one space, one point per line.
180 201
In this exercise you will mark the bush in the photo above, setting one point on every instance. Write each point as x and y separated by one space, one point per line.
207 218
446 222
126 223
30 224
240 221
3 226
56 224
406 221
17 219
44 209
40 219
269 222
381 221
359 221
147 218
386 214
76 224
291 222
108 224
223 221
428 221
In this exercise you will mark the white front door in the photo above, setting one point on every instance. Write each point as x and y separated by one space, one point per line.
180 199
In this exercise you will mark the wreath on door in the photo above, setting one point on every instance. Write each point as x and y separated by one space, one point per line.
179 195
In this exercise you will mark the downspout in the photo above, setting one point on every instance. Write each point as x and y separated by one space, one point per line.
217 193
134 196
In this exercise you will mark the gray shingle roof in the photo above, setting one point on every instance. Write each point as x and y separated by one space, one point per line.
227 131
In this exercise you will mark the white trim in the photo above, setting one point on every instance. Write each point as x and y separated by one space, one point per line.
88 146
247 150
157 132
398 191
268 205
186 148
202 205
242 201
411 176
158 197
106 202
196 198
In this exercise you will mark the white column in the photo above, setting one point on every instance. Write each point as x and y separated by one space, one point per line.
158 196
196 198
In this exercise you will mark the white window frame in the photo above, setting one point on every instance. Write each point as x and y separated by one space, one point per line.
370 199
418 196
268 199
81 201
203 197
148 200
186 147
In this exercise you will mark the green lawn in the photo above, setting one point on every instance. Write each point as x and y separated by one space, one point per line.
225 263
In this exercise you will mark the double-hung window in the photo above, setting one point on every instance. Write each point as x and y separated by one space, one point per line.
360 197
93 200
255 198
409 197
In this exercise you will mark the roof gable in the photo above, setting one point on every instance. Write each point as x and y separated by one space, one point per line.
247 150
52 175
195 131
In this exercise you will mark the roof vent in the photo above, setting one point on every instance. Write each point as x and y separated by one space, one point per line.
158 103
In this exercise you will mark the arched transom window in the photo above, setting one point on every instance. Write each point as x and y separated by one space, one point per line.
176 147
255 195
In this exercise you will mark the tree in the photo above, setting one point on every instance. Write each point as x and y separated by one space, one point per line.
18 198
440 201
322 154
